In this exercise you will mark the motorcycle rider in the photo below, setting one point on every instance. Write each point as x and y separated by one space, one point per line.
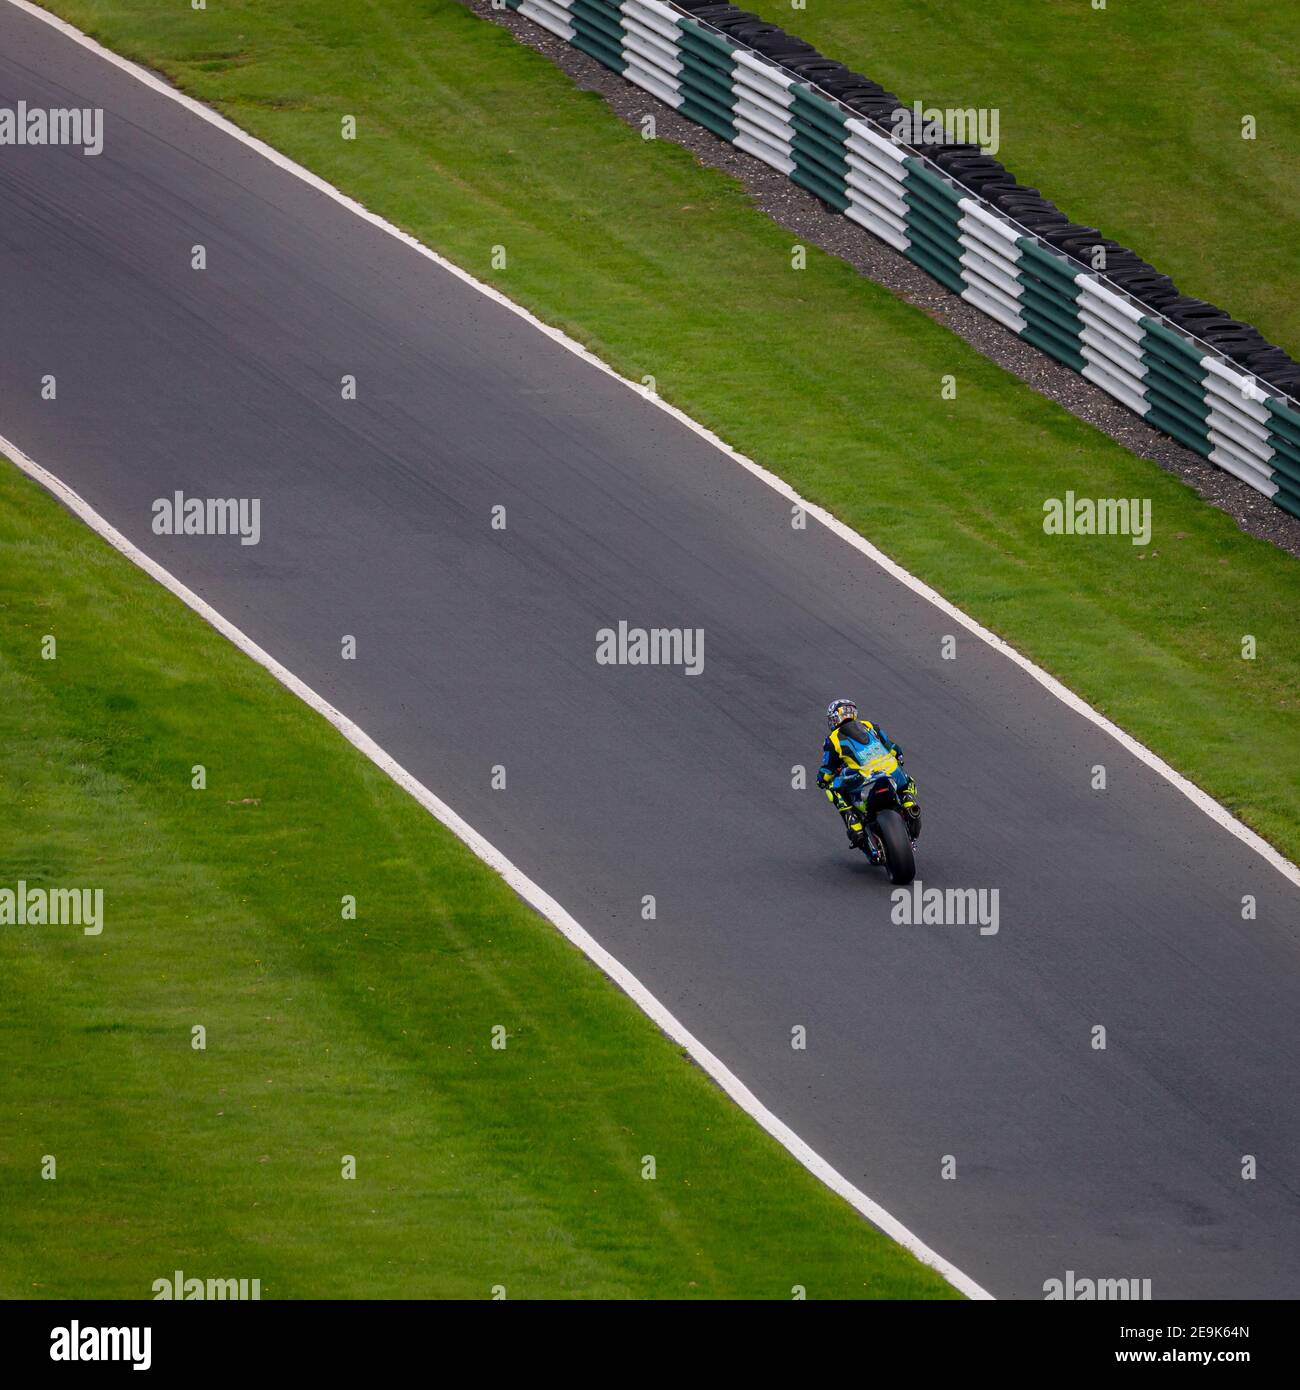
848 744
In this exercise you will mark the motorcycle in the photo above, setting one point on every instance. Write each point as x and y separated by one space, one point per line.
890 825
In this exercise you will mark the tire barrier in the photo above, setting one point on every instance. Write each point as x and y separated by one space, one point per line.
1212 383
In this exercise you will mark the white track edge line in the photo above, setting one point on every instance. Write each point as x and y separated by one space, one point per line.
1217 813
530 892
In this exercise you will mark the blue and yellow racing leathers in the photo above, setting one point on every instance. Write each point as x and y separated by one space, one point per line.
855 745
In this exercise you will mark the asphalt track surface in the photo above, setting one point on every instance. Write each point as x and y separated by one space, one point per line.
477 647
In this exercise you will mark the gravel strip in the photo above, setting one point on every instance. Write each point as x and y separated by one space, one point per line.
816 224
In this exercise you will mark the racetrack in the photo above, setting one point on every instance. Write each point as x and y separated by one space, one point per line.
476 647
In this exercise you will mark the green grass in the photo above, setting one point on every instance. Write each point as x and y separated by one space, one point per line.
470 141
1129 118
325 1036
329 1037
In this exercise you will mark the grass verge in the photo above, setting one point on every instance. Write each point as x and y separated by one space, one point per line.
325 1037
1129 118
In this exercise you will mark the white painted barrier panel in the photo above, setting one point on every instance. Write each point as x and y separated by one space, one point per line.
765 72
1249 471
550 14
1233 429
750 139
1100 313
653 83
986 304
887 193
993 273
1116 386
650 48
993 226
1114 356
772 127
976 238
875 145
1239 387
866 216
887 210
654 16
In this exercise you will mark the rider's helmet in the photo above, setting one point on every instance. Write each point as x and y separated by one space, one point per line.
838 711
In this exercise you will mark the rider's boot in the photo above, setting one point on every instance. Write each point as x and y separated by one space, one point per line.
911 809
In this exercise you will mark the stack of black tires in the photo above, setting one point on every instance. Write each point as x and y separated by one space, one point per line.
985 176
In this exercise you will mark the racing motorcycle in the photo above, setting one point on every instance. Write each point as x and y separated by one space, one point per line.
892 820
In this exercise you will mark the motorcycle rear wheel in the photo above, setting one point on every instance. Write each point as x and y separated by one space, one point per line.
900 861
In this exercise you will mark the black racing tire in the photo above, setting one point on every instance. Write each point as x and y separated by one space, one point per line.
899 859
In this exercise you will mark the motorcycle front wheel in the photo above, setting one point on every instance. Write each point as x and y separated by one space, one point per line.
900 861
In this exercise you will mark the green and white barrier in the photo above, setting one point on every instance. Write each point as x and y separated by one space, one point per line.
1175 382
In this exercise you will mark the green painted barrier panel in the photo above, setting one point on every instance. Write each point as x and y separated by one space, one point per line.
1286 458
692 92
1167 338
940 269
1050 343
943 247
816 161
593 18
823 188
831 150
933 183
1052 319
704 40
705 79
1177 408
817 148
1177 385
1286 470
695 111
1287 495
1285 421
1052 296
818 112
1046 265
1048 303
707 87
1174 426
944 231
601 52
817 104
940 212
